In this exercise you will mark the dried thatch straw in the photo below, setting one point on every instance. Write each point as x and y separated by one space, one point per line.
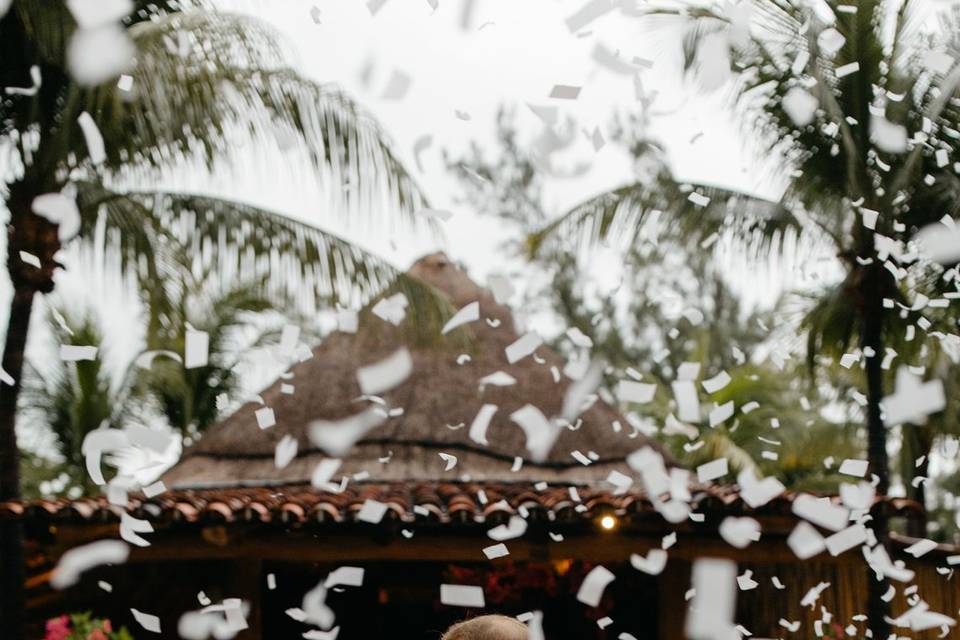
440 392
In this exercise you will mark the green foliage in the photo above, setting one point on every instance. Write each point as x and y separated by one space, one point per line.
672 306
83 626
72 399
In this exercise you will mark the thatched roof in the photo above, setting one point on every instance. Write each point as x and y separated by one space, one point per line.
439 394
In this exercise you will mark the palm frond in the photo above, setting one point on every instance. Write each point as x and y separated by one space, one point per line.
622 213
244 242
208 83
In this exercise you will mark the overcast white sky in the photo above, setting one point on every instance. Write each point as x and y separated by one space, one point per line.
510 53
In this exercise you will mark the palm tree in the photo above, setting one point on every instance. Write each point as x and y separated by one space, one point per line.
200 85
71 399
859 108
189 398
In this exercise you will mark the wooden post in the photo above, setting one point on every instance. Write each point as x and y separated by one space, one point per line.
673 585
248 585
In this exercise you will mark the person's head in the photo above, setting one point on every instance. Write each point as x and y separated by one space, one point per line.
492 627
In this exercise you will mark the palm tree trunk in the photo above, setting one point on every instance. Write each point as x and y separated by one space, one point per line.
12 571
917 523
39 237
872 338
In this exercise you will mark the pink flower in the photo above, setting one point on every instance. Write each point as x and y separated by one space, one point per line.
96 634
107 627
57 628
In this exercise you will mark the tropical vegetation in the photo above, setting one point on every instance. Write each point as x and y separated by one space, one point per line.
857 106
85 123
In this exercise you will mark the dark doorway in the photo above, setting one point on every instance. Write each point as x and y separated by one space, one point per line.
402 599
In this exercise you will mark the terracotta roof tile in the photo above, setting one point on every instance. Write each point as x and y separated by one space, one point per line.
407 502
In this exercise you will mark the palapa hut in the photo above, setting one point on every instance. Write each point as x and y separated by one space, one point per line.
234 525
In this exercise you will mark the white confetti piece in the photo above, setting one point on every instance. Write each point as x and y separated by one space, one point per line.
450 460
196 351
847 69
621 481
337 437
710 615
940 243
912 400
830 41
846 539
498 379
76 353
745 582
496 551
392 309
564 92
938 61
757 493
591 590
30 259
698 199
721 413
501 287
857 496
372 511
80 559
523 347
374 6
921 547
285 452
539 432
853 467
514 528
588 13
99 54
385 375
800 106
653 564
458 595
130 527
712 470
397 86
60 209
324 471
347 321
688 404
154 489
739 532
805 541
148 621
478 428
469 313
346 576
887 136
639 392
580 395
93 138
820 512
265 417
716 383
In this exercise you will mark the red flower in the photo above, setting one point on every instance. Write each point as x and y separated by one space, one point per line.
57 628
